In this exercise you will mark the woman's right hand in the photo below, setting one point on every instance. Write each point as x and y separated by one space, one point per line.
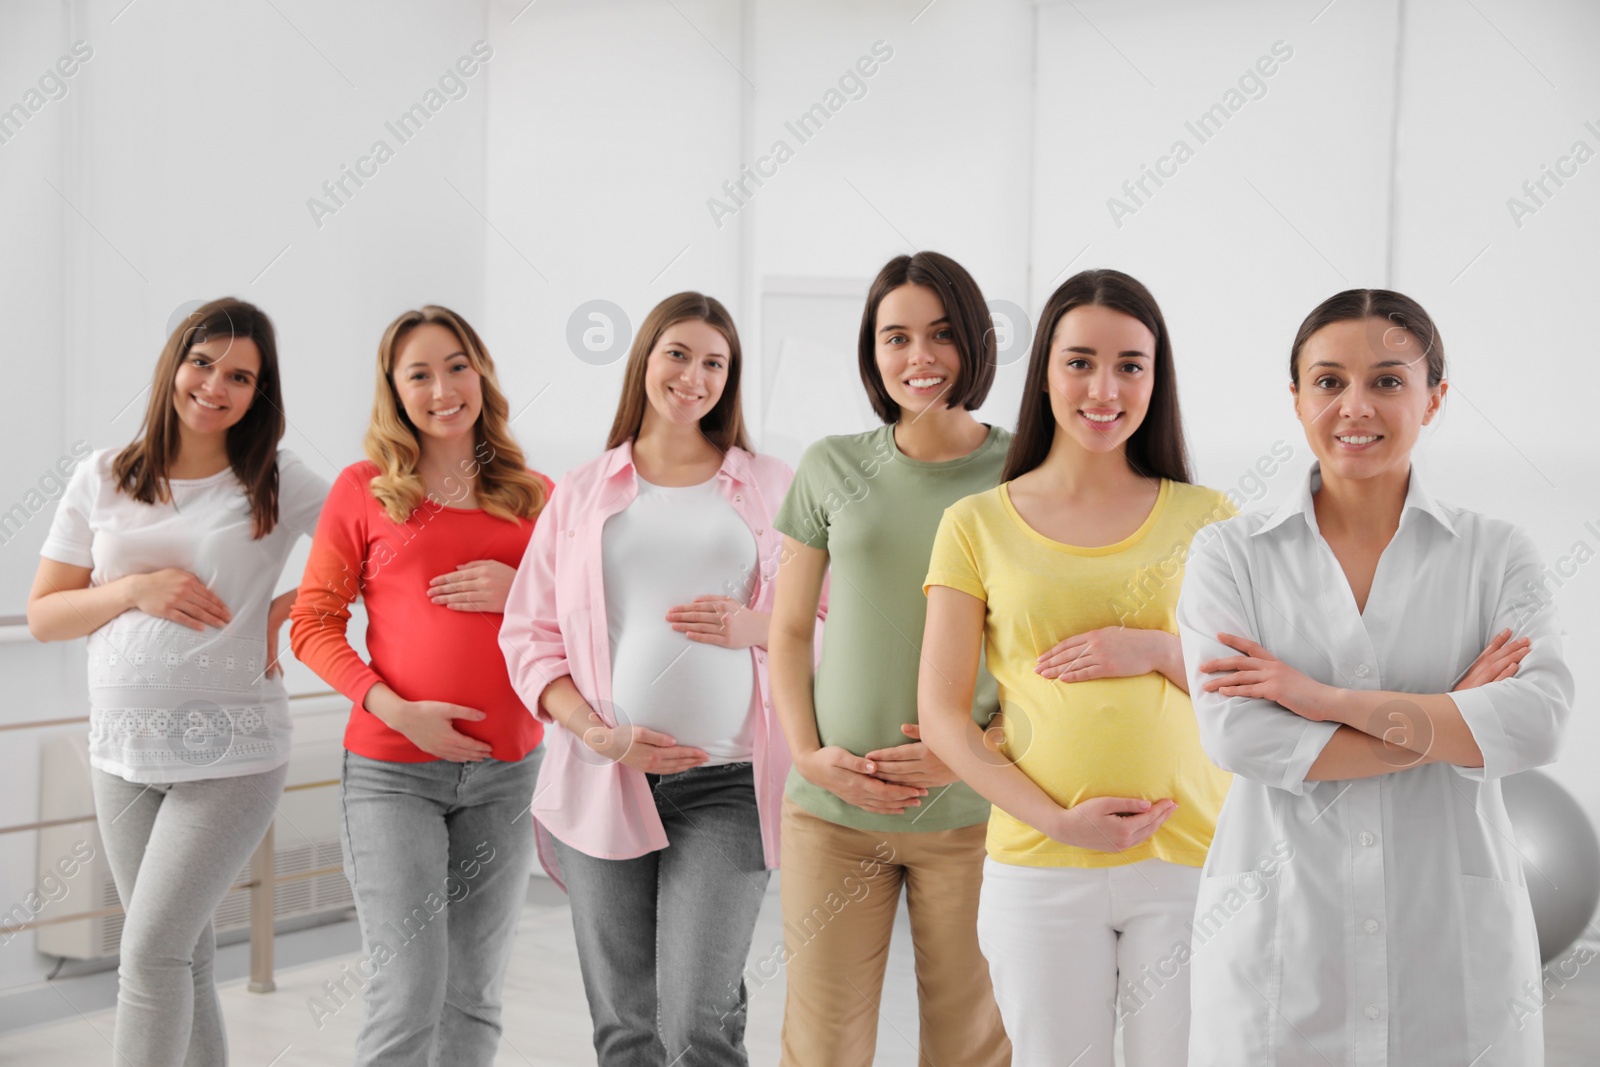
178 596
428 725
1111 824
643 749
1497 662
850 778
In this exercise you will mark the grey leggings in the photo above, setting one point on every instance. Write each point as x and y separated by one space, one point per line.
174 850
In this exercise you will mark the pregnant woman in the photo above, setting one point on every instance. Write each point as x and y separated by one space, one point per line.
870 809
639 624
440 754
1399 931
165 553
1067 577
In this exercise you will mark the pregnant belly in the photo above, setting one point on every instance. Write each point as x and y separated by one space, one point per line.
700 694
1123 737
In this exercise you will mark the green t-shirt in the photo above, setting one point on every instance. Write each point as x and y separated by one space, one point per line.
874 510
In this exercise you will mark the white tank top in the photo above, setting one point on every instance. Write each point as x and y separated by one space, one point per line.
670 545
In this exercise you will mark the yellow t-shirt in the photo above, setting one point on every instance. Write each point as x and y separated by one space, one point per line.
1123 737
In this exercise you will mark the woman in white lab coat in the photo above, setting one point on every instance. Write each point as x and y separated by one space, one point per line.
1369 663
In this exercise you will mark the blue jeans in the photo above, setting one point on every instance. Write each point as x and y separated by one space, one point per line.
438 856
662 939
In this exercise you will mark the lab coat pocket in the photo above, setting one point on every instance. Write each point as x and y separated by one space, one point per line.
1503 996
1234 977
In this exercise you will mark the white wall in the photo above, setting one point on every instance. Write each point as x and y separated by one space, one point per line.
926 158
606 126
602 157
1281 207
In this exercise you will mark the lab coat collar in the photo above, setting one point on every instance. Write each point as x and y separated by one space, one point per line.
1418 499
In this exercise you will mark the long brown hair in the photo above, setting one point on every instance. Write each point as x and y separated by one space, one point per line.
505 489
141 469
723 425
970 322
1399 309
1156 448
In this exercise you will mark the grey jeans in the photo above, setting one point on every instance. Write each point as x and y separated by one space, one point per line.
174 849
438 856
663 938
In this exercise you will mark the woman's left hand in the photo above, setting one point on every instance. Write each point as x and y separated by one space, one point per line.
913 764
720 620
1258 673
1110 652
481 585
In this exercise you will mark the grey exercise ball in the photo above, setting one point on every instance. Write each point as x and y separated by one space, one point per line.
1560 858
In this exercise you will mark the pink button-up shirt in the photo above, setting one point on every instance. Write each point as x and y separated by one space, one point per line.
555 626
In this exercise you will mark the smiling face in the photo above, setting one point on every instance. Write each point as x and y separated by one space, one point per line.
1101 376
441 392
216 384
1362 396
686 372
916 350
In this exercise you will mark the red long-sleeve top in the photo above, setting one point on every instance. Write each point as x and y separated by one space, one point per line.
421 650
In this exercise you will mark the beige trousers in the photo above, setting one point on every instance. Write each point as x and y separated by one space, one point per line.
841 889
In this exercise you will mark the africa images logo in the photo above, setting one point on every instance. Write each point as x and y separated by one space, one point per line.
204 732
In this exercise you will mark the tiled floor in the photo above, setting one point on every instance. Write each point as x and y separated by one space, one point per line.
547 1022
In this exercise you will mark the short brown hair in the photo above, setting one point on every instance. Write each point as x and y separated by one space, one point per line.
969 320
723 425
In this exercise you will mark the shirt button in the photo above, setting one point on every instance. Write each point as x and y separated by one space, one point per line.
1370 926
572 533
1372 1011
759 531
1362 670
1366 838
737 499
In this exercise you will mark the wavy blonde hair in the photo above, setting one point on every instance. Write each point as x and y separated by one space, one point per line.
505 488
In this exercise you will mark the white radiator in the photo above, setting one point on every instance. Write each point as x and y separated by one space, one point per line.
307 838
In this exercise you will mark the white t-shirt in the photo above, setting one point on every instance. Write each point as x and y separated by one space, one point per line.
167 703
670 545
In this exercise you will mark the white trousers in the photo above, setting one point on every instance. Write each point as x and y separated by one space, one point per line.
1071 949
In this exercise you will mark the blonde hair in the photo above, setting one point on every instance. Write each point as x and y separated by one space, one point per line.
505 488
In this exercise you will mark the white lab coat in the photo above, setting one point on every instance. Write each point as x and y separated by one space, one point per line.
1384 920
